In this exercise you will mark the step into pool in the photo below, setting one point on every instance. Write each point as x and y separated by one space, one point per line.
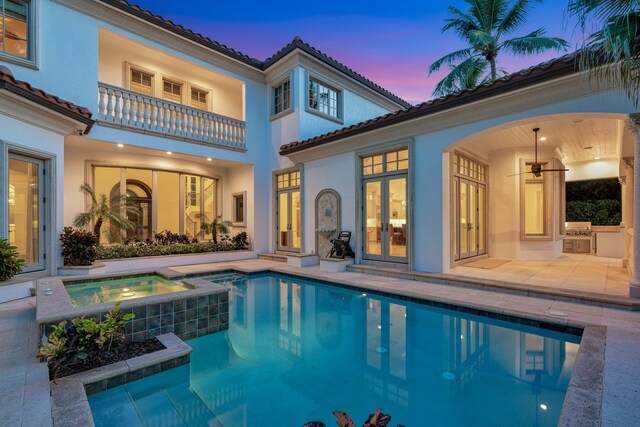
297 350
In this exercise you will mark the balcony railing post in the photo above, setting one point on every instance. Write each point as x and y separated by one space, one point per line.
109 112
101 102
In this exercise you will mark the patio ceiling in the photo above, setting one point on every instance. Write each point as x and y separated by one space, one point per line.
579 138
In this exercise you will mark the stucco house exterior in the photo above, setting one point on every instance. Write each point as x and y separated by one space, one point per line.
195 127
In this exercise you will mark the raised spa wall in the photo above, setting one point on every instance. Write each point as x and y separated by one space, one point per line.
201 309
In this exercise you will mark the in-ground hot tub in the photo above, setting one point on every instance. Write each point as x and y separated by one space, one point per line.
88 292
162 303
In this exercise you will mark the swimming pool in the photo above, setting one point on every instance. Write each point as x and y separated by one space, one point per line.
296 351
122 289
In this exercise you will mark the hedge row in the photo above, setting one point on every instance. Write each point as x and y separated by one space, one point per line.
144 250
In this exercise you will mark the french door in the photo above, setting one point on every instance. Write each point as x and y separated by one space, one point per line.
385 218
26 210
470 218
288 221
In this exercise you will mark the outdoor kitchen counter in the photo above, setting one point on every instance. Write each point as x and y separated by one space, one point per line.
609 241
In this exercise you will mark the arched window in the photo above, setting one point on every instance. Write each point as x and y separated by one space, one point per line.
139 193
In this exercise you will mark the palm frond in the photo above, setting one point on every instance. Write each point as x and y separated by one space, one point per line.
534 43
515 16
450 59
468 74
82 220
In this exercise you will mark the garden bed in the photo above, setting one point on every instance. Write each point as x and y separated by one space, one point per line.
145 250
129 351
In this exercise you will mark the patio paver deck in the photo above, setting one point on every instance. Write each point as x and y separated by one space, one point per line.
24 389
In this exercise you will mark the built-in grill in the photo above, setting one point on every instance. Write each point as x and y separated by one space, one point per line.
578 238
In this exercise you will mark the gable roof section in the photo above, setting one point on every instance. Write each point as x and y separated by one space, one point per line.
52 102
555 68
297 43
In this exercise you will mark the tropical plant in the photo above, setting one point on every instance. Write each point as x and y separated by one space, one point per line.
10 261
377 419
215 227
167 237
240 241
483 27
144 249
114 209
612 53
78 247
84 339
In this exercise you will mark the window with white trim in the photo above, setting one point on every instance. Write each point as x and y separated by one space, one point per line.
15 29
199 98
324 99
141 82
172 91
238 209
281 97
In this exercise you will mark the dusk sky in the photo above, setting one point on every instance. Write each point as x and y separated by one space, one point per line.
390 42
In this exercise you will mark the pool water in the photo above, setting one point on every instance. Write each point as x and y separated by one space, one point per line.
82 294
296 351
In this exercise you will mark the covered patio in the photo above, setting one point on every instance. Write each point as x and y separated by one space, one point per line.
510 225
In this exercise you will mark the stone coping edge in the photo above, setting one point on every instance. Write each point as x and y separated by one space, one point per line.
583 400
69 402
613 301
59 302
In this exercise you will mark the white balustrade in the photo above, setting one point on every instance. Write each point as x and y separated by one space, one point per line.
146 113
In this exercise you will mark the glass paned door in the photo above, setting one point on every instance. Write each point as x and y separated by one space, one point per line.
385 218
289 227
470 218
26 211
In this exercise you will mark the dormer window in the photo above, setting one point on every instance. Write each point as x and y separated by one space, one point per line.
324 99
15 30
281 97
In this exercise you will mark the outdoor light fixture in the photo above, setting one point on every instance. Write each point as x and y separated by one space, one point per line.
544 138
208 159
169 153
120 145
543 406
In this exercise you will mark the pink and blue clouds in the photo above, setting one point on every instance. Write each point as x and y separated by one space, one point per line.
391 43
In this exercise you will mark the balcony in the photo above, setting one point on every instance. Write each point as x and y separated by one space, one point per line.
122 108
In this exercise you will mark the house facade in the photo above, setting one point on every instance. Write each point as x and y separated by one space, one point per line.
191 128
188 127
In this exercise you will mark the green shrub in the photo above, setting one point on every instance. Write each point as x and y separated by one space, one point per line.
145 250
78 247
10 261
598 212
85 339
240 241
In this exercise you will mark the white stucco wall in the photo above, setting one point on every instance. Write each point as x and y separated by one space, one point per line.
335 173
39 142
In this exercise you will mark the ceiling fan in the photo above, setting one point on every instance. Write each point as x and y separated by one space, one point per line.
536 168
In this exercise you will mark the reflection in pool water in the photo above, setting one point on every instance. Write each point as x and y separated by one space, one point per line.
295 351
82 294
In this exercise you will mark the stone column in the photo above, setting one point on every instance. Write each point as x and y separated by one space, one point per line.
634 260
627 207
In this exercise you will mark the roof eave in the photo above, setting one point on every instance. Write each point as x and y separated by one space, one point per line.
481 93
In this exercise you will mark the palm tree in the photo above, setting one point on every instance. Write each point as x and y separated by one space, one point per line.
616 42
102 209
215 227
483 28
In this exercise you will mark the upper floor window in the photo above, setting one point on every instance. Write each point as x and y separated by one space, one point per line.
171 91
281 97
15 22
324 99
141 82
199 98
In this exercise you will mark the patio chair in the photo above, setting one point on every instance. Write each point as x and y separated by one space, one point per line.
341 247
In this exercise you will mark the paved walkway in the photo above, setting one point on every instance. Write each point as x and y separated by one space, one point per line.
24 382
587 273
